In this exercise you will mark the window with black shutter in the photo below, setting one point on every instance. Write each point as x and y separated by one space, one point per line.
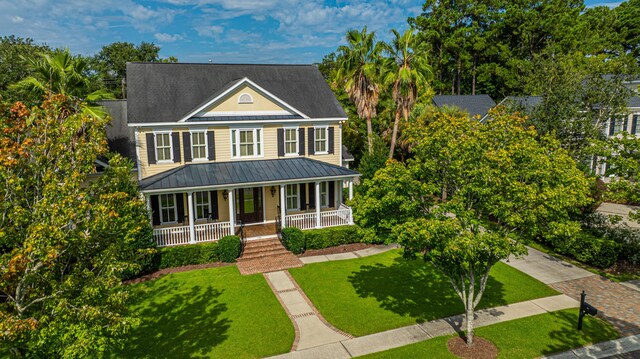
175 137
311 139
151 149
186 141
301 141
303 196
331 140
280 142
211 144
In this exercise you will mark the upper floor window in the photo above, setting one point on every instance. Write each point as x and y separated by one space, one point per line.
245 98
199 145
321 140
618 125
168 211
291 141
636 123
246 142
163 146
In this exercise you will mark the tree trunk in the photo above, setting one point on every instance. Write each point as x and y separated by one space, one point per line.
394 135
369 135
459 73
469 307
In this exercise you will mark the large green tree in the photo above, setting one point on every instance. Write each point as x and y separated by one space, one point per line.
15 55
496 184
65 241
359 73
406 72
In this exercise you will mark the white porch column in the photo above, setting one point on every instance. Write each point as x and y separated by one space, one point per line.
149 210
340 199
232 211
283 205
318 223
350 189
192 220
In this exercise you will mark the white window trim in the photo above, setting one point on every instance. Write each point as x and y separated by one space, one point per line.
297 132
255 145
195 205
206 146
155 143
175 208
245 102
286 198
326 140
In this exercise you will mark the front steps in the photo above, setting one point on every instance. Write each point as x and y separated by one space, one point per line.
266 255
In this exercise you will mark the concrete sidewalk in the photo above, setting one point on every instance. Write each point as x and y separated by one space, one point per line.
547 268
394 338
349 255
611 349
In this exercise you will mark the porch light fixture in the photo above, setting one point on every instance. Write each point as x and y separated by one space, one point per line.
225 194
273 191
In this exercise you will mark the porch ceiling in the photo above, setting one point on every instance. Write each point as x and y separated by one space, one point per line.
225 174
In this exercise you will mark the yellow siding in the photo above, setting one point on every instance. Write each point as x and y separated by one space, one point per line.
223 148
230 103
271 204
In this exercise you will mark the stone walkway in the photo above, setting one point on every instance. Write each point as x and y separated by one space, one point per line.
616 303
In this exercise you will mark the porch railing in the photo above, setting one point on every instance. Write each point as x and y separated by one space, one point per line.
173 236
339 217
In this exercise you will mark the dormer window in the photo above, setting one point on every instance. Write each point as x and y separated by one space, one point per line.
245 98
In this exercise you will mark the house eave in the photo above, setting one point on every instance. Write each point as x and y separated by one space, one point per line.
216 123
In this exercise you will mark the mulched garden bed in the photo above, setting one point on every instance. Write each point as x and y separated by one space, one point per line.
162 272
481 348
338 249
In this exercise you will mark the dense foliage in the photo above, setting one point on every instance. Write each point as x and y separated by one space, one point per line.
229 248
331 237
178 256
293 239
65 240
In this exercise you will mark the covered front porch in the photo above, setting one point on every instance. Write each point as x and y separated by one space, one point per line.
213 210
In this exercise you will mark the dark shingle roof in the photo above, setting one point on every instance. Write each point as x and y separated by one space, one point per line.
346 155
164 92
241 172
120 137
473 104
633 101
526 102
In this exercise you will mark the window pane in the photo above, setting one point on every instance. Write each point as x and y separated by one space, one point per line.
258 142
248 201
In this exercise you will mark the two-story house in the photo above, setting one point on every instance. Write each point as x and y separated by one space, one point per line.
217 145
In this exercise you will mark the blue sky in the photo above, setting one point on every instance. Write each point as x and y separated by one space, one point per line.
224 31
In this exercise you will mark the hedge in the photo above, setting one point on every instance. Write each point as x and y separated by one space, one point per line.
293 239
331 237
229 248
178 256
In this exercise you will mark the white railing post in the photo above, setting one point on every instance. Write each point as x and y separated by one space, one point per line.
192 230
283 205
318 222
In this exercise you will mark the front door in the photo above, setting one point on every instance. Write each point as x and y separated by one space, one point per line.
249 205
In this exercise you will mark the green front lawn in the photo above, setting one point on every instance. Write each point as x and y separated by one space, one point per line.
372 294
210 313
530 337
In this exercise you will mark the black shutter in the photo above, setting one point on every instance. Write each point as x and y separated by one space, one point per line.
626 121
303 196
211 145
634 124
301 141
155 210
280 142
186 141
175 138
214 205
612 125
312 141
312 195
331 140
332 193
151 148
180 206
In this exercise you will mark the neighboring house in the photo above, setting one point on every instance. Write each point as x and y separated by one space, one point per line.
222 145
477 106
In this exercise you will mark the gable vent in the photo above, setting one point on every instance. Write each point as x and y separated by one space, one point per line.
245 98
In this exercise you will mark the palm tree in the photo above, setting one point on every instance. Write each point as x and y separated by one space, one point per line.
359 70
61 73
406 70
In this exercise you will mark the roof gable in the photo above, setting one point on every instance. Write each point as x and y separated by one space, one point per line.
475 105
166 92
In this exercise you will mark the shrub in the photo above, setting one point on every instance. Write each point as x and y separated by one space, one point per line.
332 236
178 256
293 239
229 248
597 252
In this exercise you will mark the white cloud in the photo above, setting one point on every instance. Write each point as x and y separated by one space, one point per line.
17 19
163 37
209 30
